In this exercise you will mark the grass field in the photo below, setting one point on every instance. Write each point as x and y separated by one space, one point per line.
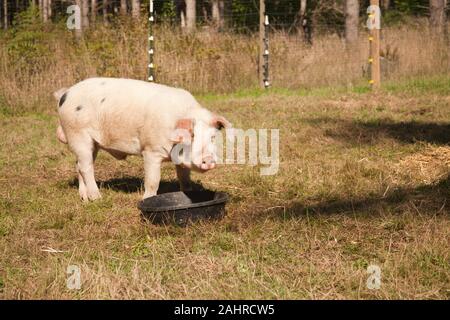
364 179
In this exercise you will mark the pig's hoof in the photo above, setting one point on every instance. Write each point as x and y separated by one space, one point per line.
83 196
94 196
148 195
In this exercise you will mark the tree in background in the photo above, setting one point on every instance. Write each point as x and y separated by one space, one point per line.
303 16
180 11
190 15
105 6
218 10
303 25
93 10
79 32
5 14
45 10
437 15
84 14
351 21
49 9
135 8
123 7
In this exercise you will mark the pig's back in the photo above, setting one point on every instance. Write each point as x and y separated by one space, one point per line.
119 111
105 94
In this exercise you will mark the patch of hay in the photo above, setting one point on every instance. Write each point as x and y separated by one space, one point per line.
428 166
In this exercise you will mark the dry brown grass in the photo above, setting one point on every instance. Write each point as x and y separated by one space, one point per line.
363 180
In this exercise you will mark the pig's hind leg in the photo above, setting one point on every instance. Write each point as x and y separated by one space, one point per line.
82 189
85 150
81 185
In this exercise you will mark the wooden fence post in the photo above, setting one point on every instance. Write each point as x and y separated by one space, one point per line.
374 25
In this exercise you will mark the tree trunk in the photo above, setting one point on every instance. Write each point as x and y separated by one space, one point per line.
303 25
437 15
40 6
45 10
49 9
84 14
351 21
190 15
135 8
105 12
79 32
123 7
215 11
93 10
302 12
180 8
183 19
218 8
204 13
5 14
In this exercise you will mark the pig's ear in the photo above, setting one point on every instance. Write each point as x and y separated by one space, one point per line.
58 94
184 131
220 122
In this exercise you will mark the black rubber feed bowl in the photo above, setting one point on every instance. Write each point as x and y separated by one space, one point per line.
182 208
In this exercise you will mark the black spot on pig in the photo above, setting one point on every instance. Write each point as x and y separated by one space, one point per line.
103 100
79 108
63 98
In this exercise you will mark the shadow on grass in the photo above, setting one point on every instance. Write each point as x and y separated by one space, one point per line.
425 199
370 132
134 184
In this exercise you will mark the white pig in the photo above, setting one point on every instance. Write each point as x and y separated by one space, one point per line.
131 117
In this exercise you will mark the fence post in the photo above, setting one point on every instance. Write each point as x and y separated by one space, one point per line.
266 52
262 9
151 68
374 24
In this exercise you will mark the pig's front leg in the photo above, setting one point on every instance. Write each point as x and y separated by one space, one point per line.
184 177
152 167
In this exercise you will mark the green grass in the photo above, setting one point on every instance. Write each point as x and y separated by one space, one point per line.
364 179
439 84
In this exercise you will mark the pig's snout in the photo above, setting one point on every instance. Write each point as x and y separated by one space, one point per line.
208 163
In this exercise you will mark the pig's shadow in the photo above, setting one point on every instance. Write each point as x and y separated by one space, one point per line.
134 184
